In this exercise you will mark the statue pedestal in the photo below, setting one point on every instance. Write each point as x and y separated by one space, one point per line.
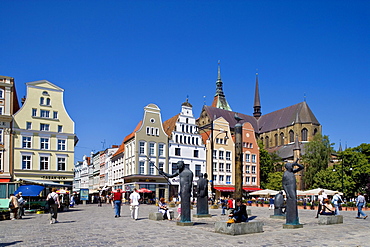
202 215
179 223
238 228
287 226
280 217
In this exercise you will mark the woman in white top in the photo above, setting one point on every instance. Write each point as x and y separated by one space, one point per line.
337 200
162 207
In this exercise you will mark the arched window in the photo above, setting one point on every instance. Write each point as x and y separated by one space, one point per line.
291 136
281 138
41 100
304 133
48 101
180 139
315 131
267 142
276 140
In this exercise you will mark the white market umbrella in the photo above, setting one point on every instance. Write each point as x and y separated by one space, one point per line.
264 192
315 192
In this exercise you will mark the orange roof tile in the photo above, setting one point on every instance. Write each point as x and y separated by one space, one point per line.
130 136
169 125
120 150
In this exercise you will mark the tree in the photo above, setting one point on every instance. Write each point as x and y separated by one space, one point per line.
274 181
267 162
316 158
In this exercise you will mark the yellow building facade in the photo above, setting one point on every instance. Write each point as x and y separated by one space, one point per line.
44 136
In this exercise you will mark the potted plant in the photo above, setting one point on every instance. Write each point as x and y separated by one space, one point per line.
4 214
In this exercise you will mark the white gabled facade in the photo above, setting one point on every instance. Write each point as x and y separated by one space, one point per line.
185 143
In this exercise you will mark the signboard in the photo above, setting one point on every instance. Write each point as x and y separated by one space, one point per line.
84 194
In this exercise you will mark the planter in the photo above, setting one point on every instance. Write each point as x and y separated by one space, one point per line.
5 215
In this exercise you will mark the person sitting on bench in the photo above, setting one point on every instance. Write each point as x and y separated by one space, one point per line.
327 208
240 212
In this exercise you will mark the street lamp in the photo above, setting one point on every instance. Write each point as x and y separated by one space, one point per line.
350 169
210 126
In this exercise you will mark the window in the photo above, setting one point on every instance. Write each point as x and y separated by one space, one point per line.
228 155
253 169
276 140
267 140
34 112
214 178
197 170
247 169
48 101
247 180
26 162
44 163
151 168
61 164
61 145
60 128
196 153
141 147
281 138
215 154
55 115
151 149
1 110
44 143
221 167
44 114
1 93
160 166
26 142
228 167
177 151
141 167
228 179
221 155
160 149
253 158
221 178
44 127
291 136
253 180
174 167
42 100
1 135
247 158
148 130
28 125
214 166
304 133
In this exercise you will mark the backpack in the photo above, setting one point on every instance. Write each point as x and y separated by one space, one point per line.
339 200
51 200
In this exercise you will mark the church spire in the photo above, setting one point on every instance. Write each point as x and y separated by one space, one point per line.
257 104
219 100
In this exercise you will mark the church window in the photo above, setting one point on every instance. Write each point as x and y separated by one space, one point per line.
304 133
267 142
276 140
291 136
281 138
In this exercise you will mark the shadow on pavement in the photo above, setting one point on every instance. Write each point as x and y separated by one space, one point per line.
12 243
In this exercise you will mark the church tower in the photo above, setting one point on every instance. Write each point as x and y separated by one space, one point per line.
257 104
219 100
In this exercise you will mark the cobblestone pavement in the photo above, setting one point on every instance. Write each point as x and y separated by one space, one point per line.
89 225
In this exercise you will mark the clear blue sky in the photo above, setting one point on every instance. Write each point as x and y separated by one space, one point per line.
115 57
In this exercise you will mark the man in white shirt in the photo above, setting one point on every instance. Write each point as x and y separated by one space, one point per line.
337 200
134 204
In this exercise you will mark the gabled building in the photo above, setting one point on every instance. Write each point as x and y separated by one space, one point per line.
118 162
8 106
146 152
185 144
44 137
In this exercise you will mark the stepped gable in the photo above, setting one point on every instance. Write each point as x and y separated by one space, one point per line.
298 113
130 136
120 150
215 113
169 125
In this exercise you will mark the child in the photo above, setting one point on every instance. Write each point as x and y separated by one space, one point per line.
179 212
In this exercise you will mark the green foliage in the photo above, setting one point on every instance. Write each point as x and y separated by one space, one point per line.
274 181
316 158
267 164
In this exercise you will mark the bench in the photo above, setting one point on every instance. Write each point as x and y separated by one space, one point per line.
330 219
159 215
4 203
238 228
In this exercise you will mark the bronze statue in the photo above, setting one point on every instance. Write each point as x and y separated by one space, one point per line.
202 194
290 188
279 204
186 182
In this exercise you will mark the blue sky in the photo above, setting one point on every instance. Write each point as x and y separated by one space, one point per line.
115 57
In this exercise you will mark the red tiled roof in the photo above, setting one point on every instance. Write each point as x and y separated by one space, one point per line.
130 136
120 150
169 125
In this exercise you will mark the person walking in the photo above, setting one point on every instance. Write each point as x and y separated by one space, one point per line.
54 203
271 202
337 200
13 207
21 203
117 202
134 204
360 202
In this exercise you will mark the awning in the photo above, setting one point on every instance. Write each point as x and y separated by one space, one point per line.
29 190
43 182
230 189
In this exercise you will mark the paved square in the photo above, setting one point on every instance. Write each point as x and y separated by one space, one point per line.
90 225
